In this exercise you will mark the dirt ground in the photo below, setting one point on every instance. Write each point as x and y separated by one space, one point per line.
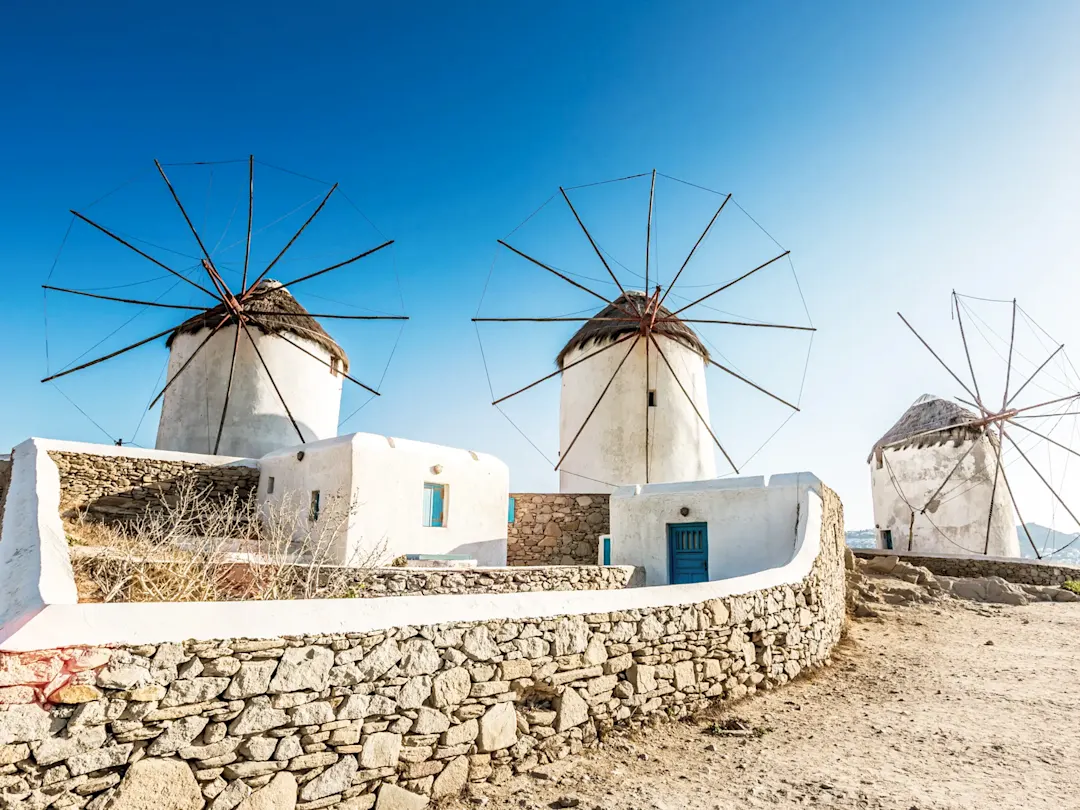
949 705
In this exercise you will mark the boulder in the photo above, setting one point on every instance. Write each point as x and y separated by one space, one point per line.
158 784
280 794
391 797
302 668
498 728
330 782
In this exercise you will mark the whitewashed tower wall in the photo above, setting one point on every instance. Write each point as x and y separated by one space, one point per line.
256 422
611 450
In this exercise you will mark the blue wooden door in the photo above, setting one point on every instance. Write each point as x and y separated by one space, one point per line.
688 553
607 551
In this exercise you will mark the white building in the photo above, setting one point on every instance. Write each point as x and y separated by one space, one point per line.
611 450
385 497
699 531
919 506
256 422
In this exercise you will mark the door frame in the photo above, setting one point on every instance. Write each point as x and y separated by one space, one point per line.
695 524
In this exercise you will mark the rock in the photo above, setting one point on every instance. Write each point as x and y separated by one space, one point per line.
196 690
224 667
571 636
257 716
253 678
415 692
236 792
10 754
359 707
28 722
279 794
75 693
158 784
881 565
571 710
178 735
302 668
312 714
258 749
452 779
288 748
498 728
391 797
419 657
321 759
1064 595
642 678
459 735
378 662
146 694
430 721
1001 592
381 750
57 749
478 645
451 687
364 802
123 676
512 670
684 675
100 759
333 780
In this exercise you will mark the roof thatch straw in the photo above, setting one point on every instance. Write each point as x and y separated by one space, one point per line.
930 421
270 297
606 331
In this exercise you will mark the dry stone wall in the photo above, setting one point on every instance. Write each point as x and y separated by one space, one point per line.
555 529
5 484
388 719
418 581
1022 572
122 487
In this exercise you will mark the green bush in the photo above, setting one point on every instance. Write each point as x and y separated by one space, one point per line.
1072 585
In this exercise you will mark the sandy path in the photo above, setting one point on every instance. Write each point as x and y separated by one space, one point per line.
918 710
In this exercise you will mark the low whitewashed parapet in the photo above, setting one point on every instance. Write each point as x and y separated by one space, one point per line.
394 701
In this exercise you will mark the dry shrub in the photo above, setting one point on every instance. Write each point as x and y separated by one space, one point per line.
199 547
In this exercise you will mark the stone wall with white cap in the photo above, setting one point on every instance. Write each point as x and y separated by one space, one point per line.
556 529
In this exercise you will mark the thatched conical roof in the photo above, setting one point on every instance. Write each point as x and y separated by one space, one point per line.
930 420
270 297
595 332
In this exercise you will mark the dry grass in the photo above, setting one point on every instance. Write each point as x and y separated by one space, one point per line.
199 548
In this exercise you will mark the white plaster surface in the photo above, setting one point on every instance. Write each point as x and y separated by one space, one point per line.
256 422
97 624
960 513
751 526
385 477
611 449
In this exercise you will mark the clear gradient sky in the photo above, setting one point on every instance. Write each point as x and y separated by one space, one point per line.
899 149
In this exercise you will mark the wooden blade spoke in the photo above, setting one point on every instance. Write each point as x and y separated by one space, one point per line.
112 355
284 337
594 247
938 358
752 384
692 403
296 236
228 390
553 320
277 390
967 354
121 300
600 399
731 283
251 210
740 323
1008 363
191 225
693 250
356 258
568 366
948 477
648 245
146 256
1034 374
1042 478
1045 438
1008 487
993 495
1069 398
647 376
187 362
338 317
565 278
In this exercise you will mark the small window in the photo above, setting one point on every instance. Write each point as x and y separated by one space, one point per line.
270 485
510 513
335 366
313 509
652 398
435 505
886 538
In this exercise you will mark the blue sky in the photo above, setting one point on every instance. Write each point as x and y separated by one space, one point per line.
900 150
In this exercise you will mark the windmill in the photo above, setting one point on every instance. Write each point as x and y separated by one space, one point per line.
638 363
237 341
961 499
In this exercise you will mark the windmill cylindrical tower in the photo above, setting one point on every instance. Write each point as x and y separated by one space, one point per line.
932 478
256 421
615 448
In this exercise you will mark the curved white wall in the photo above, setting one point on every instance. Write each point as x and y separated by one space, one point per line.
256 422
611 449
960 512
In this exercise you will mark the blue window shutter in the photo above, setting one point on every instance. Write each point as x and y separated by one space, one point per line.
510 516
437 505
428 497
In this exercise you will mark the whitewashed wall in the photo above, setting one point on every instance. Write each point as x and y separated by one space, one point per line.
960 513
256 422
611 449
752 526
386 477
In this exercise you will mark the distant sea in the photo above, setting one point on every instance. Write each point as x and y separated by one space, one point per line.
1045 538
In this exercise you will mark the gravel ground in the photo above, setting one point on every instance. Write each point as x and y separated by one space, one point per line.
944 705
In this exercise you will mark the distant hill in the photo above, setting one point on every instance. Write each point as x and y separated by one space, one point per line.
1047 540
861 538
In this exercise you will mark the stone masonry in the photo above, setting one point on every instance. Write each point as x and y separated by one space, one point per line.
122 487
1022 572
427 581
554 529
388 719
5 483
